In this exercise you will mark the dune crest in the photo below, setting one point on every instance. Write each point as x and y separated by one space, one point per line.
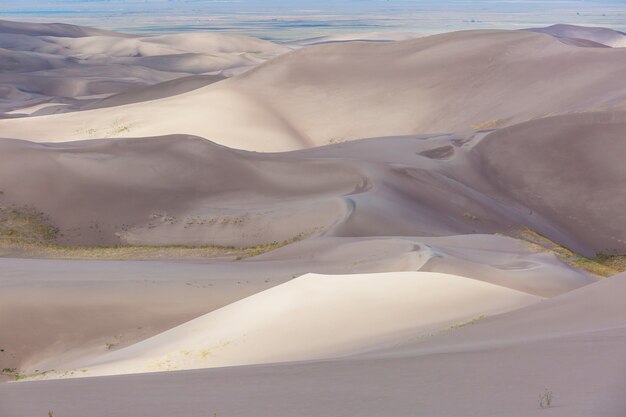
290 322
343 91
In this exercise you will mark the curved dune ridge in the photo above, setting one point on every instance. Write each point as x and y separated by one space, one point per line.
181 190
371 217
124 302
70 68
558 335
291 322
342 91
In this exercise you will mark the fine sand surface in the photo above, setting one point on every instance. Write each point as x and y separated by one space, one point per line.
181 190
355 225
93 307
583 369
342 91
290 322
71 67
569 33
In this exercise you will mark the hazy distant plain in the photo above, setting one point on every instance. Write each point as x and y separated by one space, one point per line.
288 20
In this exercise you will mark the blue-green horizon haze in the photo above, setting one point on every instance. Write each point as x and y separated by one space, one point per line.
288 20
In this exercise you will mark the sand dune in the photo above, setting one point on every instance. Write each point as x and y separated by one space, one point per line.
603 36
290 322
86 61
53 29
564 158
188 191
396 220
584 371
358 37
89 311
550 319
156 91
443 83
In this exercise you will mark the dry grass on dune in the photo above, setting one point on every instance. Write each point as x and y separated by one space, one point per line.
13 248
603 265
27 233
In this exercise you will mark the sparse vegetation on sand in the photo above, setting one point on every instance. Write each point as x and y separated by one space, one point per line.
51 251
545 400
20 224
28 233
13 373
603 265
488 124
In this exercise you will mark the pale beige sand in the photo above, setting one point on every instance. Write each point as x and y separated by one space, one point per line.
291 322
358 37
320 326
343 91
583 367
64 64
88 308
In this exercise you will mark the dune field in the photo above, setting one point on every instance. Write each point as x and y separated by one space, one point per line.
391 224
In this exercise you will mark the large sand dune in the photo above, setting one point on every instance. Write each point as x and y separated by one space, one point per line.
188 191
291 322
354 225
603 36
584 369
342 91
88 308
59 64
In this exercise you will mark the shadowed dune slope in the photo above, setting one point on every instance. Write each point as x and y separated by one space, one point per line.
290 322
331 93
54 29
188 191
568 168
86 311
157 91
173 190
66 65
603 36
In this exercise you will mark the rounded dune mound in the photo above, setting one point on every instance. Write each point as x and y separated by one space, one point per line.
215 43
156 91
602 36
43 64
174 190
290 322
342 91
54 29
181 190
12 61
549 164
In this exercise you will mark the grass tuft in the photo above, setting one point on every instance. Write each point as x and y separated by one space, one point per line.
23 224
603 265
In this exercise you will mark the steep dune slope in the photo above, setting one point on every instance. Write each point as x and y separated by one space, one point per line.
330 93
568 168
290 322
579 359
82 311
189 191
174 190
